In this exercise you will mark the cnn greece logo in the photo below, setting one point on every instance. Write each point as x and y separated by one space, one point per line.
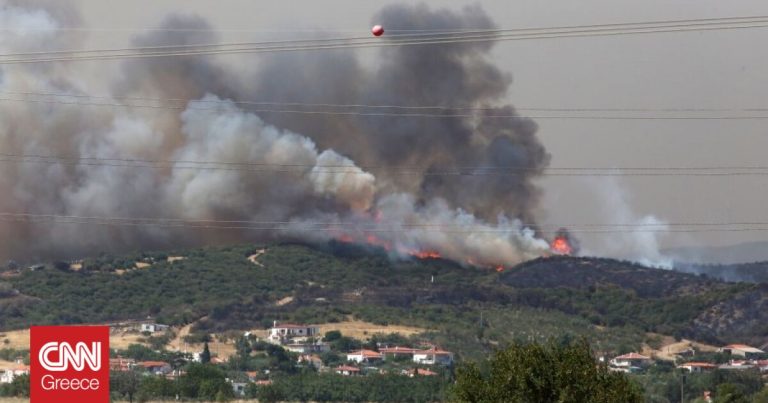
77 357
68 364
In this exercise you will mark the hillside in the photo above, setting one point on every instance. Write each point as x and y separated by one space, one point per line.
613 303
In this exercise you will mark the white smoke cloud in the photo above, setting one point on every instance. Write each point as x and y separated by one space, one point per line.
24 28
639 241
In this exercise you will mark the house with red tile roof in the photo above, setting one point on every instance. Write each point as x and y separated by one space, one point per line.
347 370
155 367
419 372
433 356
696 367
121 364
366 356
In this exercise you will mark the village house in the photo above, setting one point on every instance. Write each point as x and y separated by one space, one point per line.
121 364
10 374
418 372
311 359
697 367
288 333
347 370
433 356
361 356
155 367
738 365
741 350
630 361
153 327
307 348
397 352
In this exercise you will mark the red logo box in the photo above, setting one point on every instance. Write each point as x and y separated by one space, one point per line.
69 364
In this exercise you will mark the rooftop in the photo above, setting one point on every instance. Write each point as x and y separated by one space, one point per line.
150 364
366 353
632 356
699 365
744 347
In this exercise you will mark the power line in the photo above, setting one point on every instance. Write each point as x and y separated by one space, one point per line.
380 228
411 114
523 34
256 167
371 106
389 29
420 33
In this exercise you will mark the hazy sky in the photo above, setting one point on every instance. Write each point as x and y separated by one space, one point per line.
716 69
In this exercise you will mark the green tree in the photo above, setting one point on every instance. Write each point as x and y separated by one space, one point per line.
543 373
761 396
126 383
730 393
205 356
204 381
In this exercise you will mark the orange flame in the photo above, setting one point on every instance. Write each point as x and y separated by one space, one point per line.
561 246
425 254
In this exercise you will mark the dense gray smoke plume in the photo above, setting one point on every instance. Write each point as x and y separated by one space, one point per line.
369 178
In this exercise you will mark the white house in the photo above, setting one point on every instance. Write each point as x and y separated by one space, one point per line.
631 360
696 367
306 348
741 350
396 352
156 367
153 327
285 333
364 356
433 356
347 370
8 375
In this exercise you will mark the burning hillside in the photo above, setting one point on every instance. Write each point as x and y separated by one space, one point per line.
215 168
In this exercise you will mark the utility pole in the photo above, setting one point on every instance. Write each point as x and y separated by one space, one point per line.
682 387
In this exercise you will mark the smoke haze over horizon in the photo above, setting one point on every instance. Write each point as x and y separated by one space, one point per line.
330 183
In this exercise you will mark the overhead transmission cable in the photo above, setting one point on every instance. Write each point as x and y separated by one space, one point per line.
372 228
447 114
401 40
466 171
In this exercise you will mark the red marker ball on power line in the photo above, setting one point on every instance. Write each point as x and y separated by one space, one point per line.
377 30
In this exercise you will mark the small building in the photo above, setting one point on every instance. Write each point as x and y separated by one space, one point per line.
307 348
396 352
762 365
433 356
697 367
347 370
238 387
311 359
121 364
738 365
153 327
364 356
741 350
286 332
631 360
155 367
10 374
418 372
